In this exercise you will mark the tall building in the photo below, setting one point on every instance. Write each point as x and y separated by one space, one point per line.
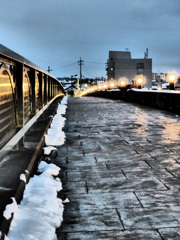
120 64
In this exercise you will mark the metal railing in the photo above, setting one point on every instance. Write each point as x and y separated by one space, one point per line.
24 90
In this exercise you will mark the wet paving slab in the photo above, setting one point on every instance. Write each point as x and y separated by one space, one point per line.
120 169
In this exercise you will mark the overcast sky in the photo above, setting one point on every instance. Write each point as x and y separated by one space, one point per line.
57 33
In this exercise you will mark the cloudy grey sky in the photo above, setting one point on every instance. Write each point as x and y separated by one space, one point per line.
57 33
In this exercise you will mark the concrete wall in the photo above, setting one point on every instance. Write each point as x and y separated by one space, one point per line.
160 100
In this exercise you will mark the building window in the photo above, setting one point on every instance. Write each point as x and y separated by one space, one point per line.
140 65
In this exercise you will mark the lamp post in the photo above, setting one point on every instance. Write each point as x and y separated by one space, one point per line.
122 83
139 81
172 79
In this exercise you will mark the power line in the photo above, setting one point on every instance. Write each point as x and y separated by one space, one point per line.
94 62
65 66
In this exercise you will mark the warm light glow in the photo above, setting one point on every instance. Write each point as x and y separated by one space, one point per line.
159 88
112 84
172 78
139 81
123 83
105 86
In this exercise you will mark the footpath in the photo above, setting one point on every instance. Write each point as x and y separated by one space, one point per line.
120 168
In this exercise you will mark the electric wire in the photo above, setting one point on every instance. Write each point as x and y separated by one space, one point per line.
65 66
94 62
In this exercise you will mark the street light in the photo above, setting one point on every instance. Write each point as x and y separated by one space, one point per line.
139 81
123 82
172 77
111 84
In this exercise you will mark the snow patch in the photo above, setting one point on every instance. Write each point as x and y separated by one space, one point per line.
55 139
161 91
64 101
55 136
10 209
66 200
40 211
51 168
61 109
48 150
23 177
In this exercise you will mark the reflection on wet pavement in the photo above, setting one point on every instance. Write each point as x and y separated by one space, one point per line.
121 172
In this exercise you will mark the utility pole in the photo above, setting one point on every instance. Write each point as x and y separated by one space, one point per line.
80 63
49 69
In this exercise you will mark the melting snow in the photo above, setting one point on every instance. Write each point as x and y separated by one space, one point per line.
40 211
23 177
55 136
10 209
64 101
48 150
66 200
61 109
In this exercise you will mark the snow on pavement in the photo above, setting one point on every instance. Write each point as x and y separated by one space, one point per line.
41 211
55 136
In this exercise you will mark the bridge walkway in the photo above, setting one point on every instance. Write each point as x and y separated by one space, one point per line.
120 170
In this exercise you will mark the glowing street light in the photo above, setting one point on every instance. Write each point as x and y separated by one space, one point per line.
105 86
139 80
172 79
111 84
123 82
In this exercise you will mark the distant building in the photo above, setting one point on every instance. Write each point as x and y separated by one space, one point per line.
120 64
161 77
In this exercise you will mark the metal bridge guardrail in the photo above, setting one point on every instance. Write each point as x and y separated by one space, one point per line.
24 90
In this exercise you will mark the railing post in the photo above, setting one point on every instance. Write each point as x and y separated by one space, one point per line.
45 88
40 90
33 81
20 95
49 88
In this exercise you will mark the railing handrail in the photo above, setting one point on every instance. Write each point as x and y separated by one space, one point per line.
8 53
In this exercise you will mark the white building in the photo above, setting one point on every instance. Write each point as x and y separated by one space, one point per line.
120 64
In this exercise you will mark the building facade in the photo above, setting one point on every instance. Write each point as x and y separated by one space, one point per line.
120 64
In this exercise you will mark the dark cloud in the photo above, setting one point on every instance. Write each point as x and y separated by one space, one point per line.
59 32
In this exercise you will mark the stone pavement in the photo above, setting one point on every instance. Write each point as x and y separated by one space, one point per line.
121 172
